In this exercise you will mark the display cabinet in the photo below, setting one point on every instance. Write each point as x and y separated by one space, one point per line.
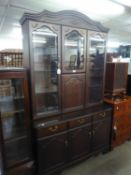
65 55
15 122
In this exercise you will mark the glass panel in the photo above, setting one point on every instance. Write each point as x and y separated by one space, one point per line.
96 67
45 47
12 108
95 94
17 150
97 50
74 51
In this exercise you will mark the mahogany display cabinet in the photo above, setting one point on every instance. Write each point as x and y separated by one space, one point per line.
65 55
15 130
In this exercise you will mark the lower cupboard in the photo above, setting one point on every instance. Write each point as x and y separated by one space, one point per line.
66 142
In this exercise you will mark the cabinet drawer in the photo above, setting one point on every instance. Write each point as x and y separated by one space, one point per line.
50 130
101 115
79 122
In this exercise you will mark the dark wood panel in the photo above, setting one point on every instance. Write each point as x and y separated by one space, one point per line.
73 91
51 152
79 142
116 78
101 134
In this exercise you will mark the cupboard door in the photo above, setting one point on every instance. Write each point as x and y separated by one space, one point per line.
45 68
79 142
74 50
96 62
97 46
101 134
15 122
51 152
73 91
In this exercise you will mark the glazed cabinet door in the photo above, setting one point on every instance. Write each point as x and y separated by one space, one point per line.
96 62
73 91
51 152
15 118
101 134
79 142
74 50
45 69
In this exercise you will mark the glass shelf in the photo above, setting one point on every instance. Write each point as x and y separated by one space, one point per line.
11 113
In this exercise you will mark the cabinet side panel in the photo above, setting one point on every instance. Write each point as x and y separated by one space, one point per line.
109 77
26 50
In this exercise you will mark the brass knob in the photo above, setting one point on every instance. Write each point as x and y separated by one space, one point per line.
81 121
53 129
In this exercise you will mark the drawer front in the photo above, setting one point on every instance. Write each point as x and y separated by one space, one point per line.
120 108
102 115
79 122
50 130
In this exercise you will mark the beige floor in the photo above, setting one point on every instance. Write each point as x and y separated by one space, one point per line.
116 162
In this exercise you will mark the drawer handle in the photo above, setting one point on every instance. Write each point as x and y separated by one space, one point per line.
81 121
102 114
53 129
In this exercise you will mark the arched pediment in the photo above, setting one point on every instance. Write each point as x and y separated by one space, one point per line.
65 17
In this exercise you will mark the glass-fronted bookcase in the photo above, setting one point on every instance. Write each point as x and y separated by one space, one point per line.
14 118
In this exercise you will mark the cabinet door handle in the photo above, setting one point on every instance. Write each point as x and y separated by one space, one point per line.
89 133
93 132
53 129
81 121
66 143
